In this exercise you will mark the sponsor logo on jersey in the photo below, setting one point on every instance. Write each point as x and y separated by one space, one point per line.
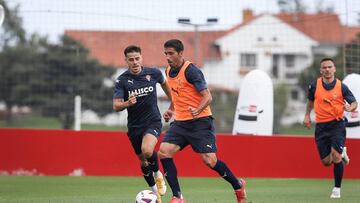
141 91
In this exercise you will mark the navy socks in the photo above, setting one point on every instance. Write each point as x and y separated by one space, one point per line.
148 175
338 173
153 162
170 173
225 173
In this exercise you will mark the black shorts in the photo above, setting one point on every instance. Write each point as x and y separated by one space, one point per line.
136 135
199 133
330 134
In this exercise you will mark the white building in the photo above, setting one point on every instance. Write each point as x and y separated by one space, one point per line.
282 45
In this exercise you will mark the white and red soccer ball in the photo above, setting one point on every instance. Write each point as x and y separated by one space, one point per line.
146 196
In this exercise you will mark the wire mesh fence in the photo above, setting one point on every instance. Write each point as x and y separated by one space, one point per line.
53 51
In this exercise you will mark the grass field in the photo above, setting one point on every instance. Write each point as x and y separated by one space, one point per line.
38 122
35 189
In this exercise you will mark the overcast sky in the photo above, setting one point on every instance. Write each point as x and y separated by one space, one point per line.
52 17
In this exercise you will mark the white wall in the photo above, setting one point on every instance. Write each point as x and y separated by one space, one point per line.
264 36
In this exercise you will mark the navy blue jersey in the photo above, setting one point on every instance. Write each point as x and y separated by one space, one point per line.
143 85
347 94
193 75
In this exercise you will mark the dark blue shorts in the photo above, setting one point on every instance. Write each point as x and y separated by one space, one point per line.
199 133
136 135
330 134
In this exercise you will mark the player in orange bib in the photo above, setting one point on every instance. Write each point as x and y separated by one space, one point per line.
193 124
327 95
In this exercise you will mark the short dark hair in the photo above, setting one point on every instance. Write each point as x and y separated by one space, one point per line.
174 43
132 48
327 59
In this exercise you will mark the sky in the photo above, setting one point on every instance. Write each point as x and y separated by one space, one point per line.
52 17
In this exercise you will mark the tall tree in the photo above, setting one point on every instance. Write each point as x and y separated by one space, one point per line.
47 76
12 32
67 70
17 56
291 6
321 7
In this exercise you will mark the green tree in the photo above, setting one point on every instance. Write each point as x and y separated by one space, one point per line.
313 72
280 101
224 108
352 56
12 31
67 70
47 76
291 6
17 56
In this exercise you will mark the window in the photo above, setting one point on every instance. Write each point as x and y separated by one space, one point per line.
289 61
248 60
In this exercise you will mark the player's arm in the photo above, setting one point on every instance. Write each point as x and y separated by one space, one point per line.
167 115
349 98
205 101
166 88
196 77
307 119
119 104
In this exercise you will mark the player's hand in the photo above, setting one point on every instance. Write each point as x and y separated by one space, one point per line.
132 99
168 115
307 121
194 112
348 108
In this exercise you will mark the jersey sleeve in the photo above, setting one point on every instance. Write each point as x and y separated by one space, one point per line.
119 89
311 91
194 76
159 76
347 94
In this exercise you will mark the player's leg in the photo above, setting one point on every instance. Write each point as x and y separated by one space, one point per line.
224 171
148 175
203 141
166 153
172 143
337 145
147 148
136 139
323 144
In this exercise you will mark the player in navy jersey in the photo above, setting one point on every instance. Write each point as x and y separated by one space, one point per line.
135 91
327 95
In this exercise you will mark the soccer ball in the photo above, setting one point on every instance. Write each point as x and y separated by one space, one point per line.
146 196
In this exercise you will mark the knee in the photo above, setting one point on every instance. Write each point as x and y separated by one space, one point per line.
164 153
326 162
210 161
147 152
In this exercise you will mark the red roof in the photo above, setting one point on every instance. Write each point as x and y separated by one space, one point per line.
351 33
322 27
108 46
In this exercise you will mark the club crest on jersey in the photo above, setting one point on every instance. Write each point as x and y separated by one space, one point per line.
148 77
335 95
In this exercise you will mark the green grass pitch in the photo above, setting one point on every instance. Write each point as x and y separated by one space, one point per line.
41 189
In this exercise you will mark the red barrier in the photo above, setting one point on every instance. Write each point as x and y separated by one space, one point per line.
59 152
